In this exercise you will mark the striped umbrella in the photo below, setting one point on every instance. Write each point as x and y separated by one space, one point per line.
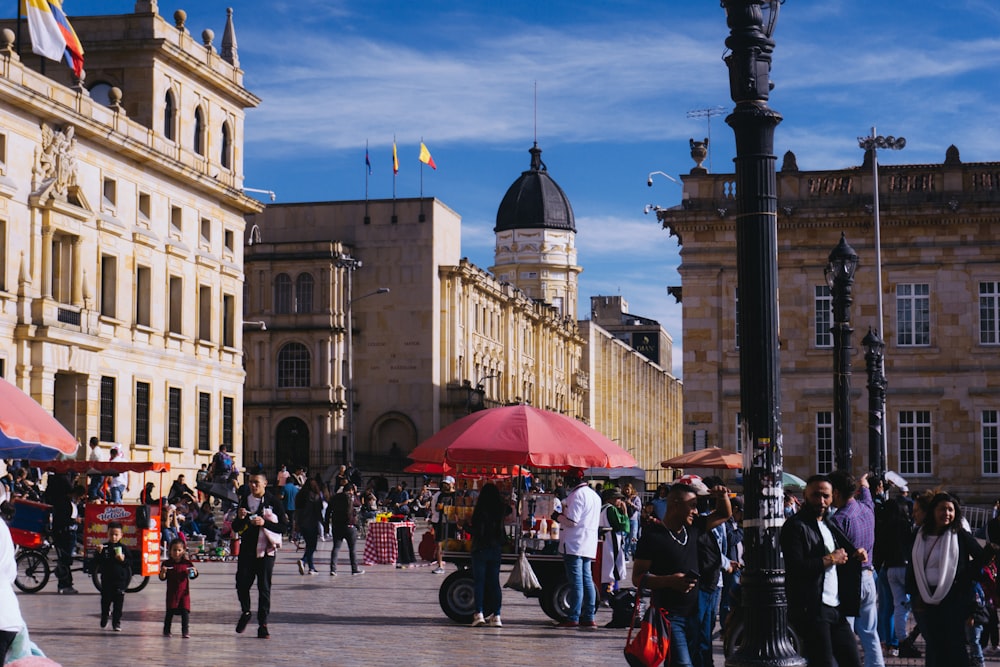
27 431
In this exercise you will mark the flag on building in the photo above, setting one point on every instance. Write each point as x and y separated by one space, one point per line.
74 49
425 156
368 162
46 36
395 159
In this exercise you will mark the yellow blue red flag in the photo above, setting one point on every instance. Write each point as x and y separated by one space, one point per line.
74 49
46 36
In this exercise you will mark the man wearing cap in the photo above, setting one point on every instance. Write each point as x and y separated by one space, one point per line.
578 520
443 519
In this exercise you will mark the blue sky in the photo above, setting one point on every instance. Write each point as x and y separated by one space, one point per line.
615 81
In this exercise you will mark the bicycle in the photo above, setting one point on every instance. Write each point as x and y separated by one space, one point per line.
34 568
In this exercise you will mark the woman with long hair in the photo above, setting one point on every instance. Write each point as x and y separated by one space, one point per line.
944 560
488 538
308 516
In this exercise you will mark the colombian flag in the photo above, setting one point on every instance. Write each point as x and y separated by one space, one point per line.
74 49
395 159
425 156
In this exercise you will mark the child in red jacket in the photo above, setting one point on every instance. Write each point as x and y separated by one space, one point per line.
177 572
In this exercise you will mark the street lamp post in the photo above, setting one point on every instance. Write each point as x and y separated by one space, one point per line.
477 394
874 349
765 633
843 262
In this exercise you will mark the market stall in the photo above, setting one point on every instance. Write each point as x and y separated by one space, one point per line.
493 444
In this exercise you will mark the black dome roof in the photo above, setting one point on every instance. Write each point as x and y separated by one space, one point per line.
535 201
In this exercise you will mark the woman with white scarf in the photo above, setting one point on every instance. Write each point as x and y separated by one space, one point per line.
944 560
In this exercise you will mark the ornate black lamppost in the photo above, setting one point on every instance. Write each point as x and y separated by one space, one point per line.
765 636
874 350
839 273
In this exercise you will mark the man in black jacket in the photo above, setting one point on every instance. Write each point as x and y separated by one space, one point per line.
257 512
823 580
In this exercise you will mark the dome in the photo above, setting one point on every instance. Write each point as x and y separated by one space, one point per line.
535 201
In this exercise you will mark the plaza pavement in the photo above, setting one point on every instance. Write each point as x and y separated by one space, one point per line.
387 616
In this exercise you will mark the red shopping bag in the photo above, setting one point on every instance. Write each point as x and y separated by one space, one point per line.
651 644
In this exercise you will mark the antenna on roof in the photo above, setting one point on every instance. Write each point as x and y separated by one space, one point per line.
708 114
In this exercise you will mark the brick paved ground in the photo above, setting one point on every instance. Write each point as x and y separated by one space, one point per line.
384 617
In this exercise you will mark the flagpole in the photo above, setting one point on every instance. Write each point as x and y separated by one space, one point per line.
394 158
367 167
19 27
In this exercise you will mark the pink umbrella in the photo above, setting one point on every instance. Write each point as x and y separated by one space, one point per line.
27 431
522 435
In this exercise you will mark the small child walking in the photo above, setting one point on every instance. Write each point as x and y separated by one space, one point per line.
114 565
177 571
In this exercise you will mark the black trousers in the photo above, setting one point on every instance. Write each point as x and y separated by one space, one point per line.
169 619
248 570
112 599
64 542
828 636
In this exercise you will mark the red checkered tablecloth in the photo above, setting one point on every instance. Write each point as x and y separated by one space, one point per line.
380 543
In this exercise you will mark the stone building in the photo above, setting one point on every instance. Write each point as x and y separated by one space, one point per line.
121 220
941 280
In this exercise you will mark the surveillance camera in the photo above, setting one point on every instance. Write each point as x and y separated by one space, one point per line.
650 182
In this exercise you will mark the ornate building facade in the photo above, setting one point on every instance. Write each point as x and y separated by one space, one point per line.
941 280
121 220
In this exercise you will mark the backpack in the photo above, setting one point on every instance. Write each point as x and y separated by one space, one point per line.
222 464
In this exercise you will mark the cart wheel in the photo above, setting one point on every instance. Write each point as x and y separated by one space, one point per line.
33 571
457 596
554 600
135 584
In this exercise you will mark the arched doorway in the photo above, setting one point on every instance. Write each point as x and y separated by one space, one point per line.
394 436
291 447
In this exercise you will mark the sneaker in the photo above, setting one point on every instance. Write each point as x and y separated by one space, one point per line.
186 635
241 624
69 590
166 634
117 628
493 620
588 625
302 567
313 573
567 625
332 573
262 632
893 652
439 570
104 621
477 619
354 574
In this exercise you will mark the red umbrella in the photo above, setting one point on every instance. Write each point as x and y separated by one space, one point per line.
712 457
444 468
522 435
27 431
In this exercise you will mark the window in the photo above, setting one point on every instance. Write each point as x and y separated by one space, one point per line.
282 293
143 294
3 153
107 409
700 438
739 433
915 442
989 312
228 320
293 366
3 255
824 442
824 316
228 237
991 442
110 198
205 312
3 364
144 207
109 285
206 231
736 310
169 116
177 220
142 414
913 314
63 268
174 418
226 157
227 422
304 293
175 314
199 131
204 421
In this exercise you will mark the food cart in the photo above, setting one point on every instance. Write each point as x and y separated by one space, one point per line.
140 522
491 443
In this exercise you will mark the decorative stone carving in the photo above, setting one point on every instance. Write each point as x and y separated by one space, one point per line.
54 171
699 151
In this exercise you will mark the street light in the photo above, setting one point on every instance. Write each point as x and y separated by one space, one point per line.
874 355
765 635
477 394
351 265
839 272
649 179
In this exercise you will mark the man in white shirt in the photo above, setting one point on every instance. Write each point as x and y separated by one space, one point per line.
119 483
578 521
95 453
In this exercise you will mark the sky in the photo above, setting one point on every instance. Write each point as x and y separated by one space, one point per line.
615 83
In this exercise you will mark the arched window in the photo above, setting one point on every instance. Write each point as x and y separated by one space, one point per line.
282 293
169 116
227 147
304 293
199 131
293 366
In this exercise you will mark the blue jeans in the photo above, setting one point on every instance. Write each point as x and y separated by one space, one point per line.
866 623
896 576
708 603
486 579
730 584
886 620
683 640
582 596
972 636
115 493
